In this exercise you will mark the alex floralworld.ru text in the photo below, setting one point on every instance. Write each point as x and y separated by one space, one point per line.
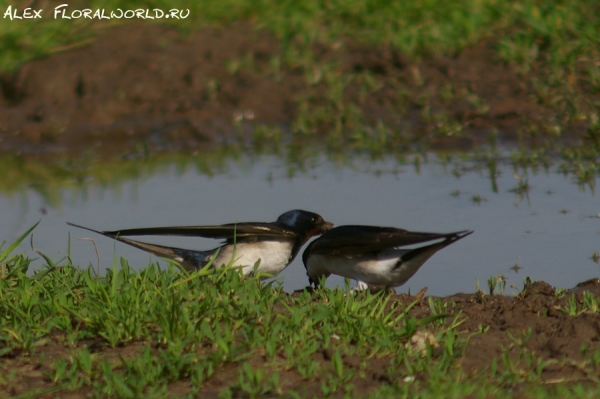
62 12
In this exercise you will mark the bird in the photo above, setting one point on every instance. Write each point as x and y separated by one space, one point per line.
271 247
372 255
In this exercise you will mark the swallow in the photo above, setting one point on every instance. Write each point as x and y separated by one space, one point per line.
372 255
270 246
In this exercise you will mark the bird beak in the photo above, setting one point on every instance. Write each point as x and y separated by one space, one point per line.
320 229
326 226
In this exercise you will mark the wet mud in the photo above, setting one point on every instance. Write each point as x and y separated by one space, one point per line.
150 85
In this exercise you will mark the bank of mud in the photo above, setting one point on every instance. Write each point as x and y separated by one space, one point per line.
144 84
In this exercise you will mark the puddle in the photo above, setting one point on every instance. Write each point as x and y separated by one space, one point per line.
551 234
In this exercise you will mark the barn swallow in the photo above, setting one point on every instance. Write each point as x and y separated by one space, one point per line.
272 246
372 255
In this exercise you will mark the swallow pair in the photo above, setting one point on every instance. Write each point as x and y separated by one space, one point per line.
369 254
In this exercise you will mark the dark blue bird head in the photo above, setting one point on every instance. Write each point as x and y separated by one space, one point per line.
306 224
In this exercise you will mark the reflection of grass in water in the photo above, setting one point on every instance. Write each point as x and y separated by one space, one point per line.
50 177
292 157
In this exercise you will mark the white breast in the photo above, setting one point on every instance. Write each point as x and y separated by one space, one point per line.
381 270
274 256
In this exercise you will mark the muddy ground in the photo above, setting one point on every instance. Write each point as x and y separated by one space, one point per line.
149 84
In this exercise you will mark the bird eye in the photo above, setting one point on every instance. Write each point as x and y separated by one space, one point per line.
313 219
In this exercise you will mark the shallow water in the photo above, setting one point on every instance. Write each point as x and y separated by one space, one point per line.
551 234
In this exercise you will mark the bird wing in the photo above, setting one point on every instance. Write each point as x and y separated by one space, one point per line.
352 240
239 231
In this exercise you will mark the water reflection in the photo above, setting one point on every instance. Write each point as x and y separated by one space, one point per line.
541 222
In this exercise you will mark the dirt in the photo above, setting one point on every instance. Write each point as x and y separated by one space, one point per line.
139 84
534 317
150 84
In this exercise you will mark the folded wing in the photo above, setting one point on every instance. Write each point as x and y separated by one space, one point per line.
355 239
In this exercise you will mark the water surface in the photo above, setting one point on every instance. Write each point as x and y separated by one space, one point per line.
551 233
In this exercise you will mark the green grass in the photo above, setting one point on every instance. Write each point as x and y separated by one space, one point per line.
191 326
588 303
157 332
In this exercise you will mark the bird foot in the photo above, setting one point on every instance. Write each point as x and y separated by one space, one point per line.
360 286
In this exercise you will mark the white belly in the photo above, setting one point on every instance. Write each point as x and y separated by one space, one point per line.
382 270
274 256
